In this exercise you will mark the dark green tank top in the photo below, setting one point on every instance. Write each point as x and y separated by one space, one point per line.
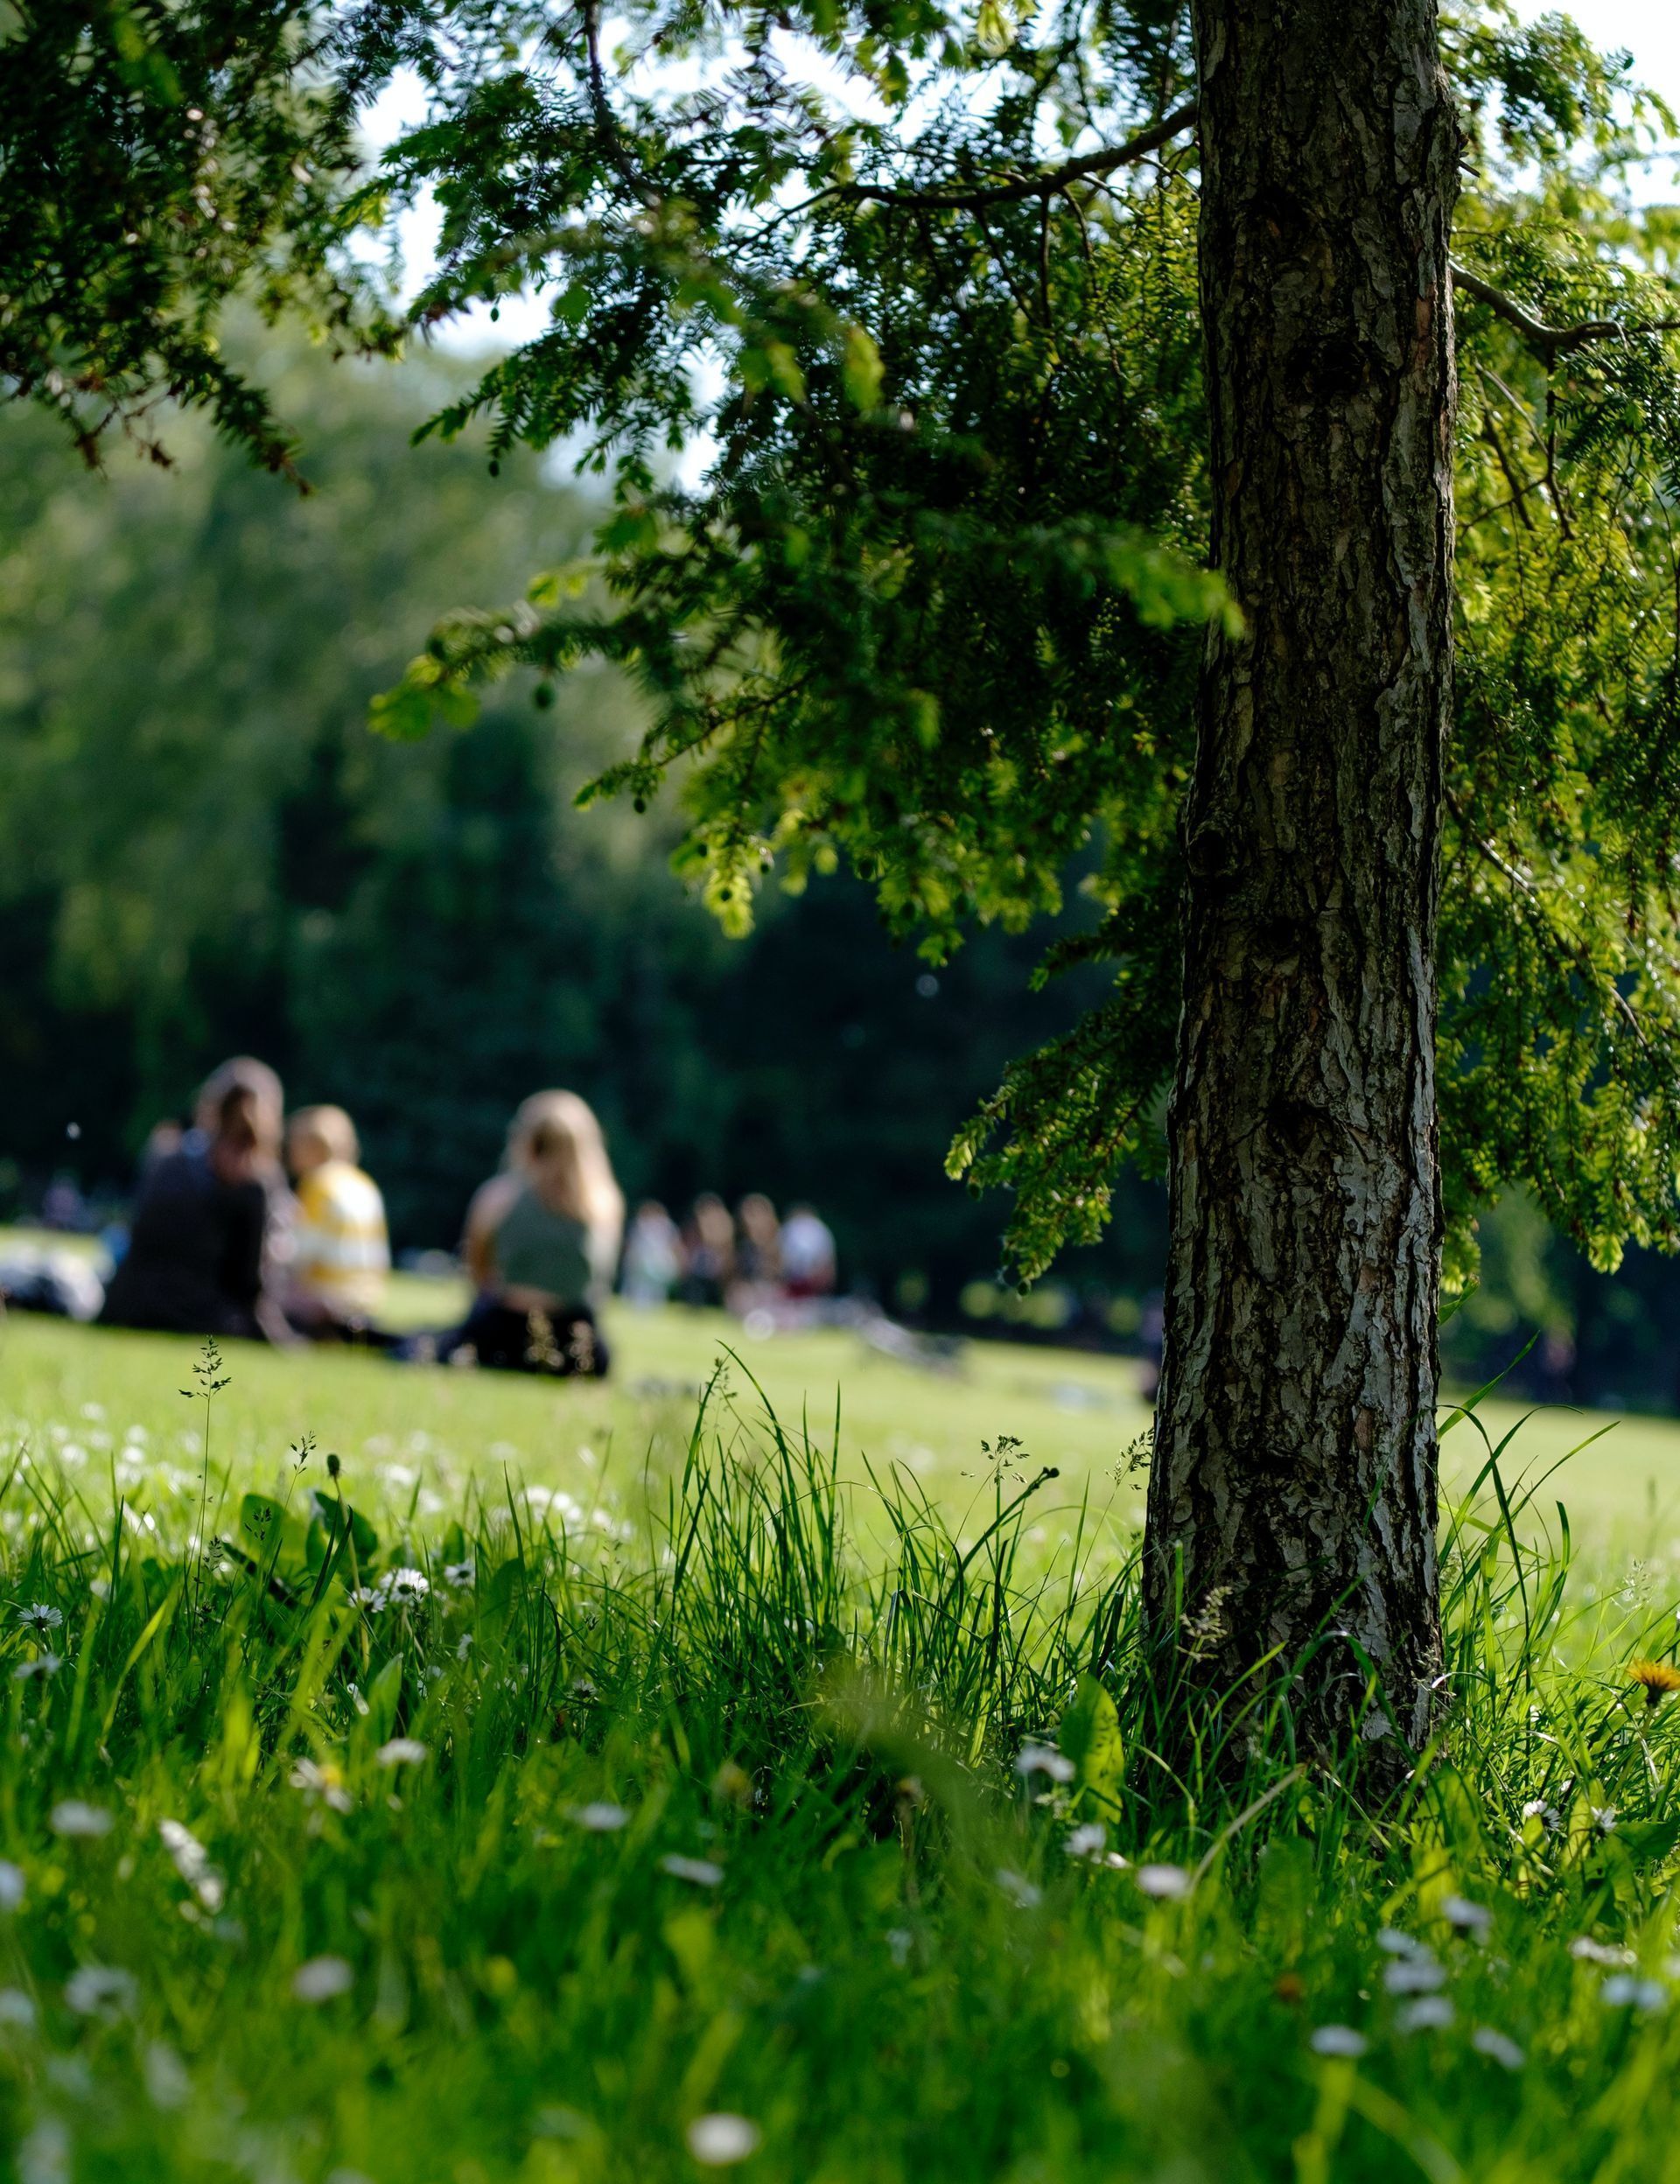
535 1249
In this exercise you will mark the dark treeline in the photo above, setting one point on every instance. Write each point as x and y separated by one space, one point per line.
203 848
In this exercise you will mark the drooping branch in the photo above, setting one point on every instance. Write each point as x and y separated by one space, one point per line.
1559 946
1044 183
1551 342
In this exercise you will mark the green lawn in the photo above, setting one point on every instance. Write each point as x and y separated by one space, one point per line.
537 1829
1077 1412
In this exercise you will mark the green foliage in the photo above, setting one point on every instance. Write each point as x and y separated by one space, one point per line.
595 1822
941 622
1089 1734
156 157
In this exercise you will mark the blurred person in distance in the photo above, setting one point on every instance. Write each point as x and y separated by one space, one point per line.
709 1251
653 1256
541 1245
341 1250
757 1256
210 1227
809 1267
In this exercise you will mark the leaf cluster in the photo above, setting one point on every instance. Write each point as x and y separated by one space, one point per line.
156 158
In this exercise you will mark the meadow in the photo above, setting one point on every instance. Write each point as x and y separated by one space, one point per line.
578 1783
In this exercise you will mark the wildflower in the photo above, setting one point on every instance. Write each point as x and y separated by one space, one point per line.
600 1818
1019 1890
1428 2013
700 1871
464 1645
404 1588
1604 1819
40 1617
321 1979
1168 1883
100 1991
1418 1974
1469 1918
1656 1678
900 1940
1549 1817
458 1575
320 1779
1043 1759
1088 1840
1622 1991
71 1816
1585 1950
404 1751
1338 2039
192 1862
16 2008
1496 2046
1392 1942
11 1885
44 1664
718 2142
167 2083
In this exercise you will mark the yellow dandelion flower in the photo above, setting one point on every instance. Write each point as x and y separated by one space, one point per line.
1656 1678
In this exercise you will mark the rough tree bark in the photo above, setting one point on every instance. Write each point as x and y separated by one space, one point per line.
1293 1490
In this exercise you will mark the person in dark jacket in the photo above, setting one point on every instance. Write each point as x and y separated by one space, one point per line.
203 1237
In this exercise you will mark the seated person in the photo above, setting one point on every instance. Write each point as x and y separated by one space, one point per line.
807 1256
541 1242
708 1251
340 1248
209 1216
653 1256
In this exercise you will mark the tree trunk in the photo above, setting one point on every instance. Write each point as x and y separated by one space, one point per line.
1294 1484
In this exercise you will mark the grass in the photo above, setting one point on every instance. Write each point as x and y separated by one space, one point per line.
618 1818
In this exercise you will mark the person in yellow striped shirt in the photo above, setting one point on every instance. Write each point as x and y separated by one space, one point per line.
341 1251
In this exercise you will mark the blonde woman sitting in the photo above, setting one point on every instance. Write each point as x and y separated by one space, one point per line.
542 1243
340 1249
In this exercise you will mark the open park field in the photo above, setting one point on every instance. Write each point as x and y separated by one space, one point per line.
640 1803
1019 659
440 1430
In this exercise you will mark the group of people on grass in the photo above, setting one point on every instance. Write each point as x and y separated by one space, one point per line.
746 1261
251 1223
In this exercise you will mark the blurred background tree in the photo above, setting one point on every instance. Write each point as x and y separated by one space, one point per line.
202 848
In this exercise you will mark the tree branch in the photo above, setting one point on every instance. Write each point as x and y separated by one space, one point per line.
1551 342
1571 951
1046 183
606 126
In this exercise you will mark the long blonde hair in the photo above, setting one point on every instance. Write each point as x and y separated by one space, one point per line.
559 1123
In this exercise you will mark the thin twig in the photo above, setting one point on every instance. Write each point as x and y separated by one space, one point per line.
1551 342
1046 183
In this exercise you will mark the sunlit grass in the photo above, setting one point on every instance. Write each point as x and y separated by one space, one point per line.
485 1812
